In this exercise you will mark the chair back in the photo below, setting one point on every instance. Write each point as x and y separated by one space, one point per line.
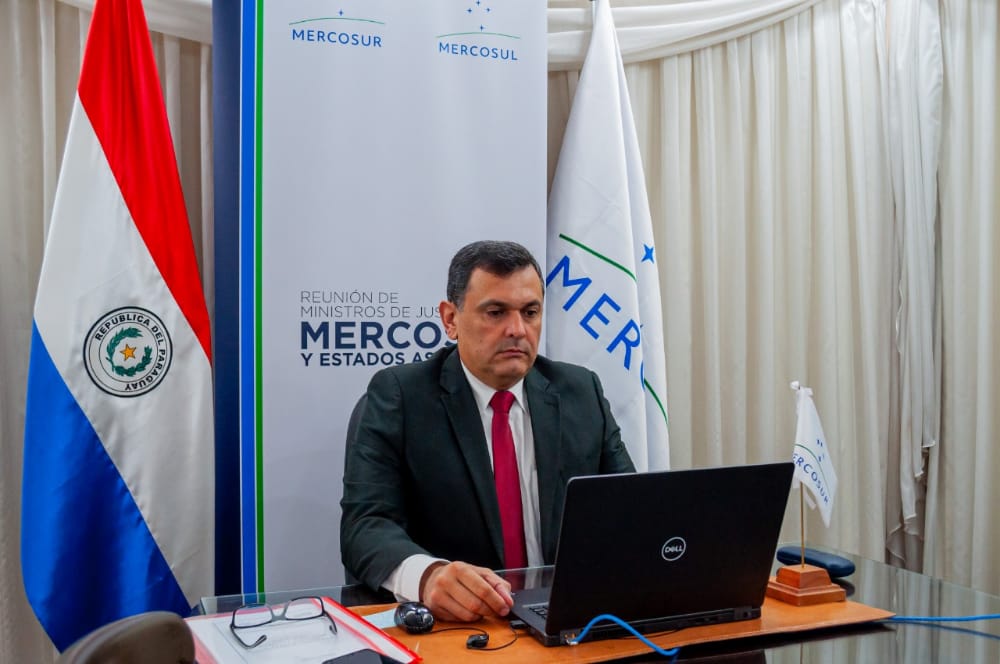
352 433
155 637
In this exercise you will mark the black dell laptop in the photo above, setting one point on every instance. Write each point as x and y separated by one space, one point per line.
660 550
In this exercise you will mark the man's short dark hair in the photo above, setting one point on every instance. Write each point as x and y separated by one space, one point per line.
497 257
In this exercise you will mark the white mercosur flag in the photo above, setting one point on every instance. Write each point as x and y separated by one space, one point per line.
811 456
602 285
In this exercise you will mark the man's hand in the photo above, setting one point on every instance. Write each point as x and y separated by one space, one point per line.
462 592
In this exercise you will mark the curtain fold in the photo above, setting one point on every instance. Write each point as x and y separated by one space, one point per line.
186 19
652 31
915 88
28 122
962 538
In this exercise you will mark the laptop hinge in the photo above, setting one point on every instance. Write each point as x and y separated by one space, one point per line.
646 626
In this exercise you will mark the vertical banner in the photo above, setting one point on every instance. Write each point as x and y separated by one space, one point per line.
381 137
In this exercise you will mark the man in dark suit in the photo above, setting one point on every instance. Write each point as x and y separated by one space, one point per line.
442 484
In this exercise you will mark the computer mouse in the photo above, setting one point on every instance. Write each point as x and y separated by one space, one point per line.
414 617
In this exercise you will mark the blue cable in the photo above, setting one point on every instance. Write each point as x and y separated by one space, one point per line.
948 628
988 616
621 623
673 651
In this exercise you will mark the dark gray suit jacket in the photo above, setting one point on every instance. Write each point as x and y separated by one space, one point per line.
417 478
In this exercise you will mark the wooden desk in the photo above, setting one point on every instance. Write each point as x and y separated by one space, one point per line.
873 583
776 618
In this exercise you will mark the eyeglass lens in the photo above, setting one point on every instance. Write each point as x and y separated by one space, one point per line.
259 614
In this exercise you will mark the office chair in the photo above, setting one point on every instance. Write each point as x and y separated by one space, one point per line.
352 432
155 637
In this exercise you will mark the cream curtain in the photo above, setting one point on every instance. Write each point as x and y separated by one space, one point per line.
823 191
914 112
767 163
962 532
653 29
823 187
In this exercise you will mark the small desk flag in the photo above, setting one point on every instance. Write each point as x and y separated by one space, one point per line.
811 456
602 286
118 494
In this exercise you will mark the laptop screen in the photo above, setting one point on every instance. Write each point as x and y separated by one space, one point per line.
675 543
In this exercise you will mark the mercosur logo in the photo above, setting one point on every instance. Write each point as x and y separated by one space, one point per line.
673 549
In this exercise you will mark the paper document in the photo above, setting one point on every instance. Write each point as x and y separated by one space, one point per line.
293 641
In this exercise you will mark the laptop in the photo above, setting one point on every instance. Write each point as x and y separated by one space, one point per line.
660 550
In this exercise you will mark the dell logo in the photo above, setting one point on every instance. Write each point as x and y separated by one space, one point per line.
673 549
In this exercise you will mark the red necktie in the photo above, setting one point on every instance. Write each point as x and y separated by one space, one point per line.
508 485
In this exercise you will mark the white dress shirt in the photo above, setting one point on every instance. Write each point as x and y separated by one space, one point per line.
404 581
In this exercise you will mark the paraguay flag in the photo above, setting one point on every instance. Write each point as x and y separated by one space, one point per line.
118 495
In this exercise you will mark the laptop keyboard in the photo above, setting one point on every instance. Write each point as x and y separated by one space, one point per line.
541 610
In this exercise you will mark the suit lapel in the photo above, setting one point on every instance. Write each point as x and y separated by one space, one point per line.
544 406
463 413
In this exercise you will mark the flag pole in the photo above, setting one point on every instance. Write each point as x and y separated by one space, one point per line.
802 523
804 584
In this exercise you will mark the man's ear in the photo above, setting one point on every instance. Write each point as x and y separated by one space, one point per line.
448 312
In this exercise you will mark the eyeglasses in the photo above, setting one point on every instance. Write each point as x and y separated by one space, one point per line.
258 615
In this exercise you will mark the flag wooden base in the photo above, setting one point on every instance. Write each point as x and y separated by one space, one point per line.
804 585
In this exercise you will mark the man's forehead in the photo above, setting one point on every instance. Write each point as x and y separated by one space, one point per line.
509 303
482 276
520 287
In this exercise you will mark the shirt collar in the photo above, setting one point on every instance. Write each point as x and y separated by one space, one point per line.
484 392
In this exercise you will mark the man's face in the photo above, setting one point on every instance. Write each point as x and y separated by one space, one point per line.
498 325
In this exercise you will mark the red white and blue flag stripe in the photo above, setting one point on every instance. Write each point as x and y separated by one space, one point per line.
118 494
